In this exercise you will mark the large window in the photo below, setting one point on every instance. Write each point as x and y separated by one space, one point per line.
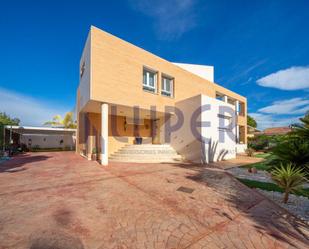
167 86
149 80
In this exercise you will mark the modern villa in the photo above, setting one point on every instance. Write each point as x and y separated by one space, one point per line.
132 104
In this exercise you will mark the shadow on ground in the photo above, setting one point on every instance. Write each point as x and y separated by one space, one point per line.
55 239
269 217
16 164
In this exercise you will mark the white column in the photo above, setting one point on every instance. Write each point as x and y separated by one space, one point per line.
237 134
237 107
225 98
104 134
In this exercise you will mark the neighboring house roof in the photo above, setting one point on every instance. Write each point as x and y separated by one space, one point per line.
277 130
252 129
32 130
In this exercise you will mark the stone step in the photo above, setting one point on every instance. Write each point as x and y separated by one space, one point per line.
146 153
145 156
134 160
152 146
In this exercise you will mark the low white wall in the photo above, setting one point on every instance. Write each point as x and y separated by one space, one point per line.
48 141
182 139
220 139
241 148
206 144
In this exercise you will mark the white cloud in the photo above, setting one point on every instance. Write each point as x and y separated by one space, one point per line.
281 113
266 120
293 78
291 106
172 18
29 110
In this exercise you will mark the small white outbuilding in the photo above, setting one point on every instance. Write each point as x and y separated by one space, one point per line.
41 137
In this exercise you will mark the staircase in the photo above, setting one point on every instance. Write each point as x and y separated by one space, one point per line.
146 153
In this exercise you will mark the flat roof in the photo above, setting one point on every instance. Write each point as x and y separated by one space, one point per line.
34 130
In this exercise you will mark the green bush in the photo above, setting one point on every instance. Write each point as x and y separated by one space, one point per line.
264 142
250 152
292 150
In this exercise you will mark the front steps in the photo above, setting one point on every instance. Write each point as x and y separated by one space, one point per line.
146 153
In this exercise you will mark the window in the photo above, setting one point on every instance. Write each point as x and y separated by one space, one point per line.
219 97
167 86
149 80
241 109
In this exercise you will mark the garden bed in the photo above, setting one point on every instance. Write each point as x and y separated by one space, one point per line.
260 176
297 205
272 187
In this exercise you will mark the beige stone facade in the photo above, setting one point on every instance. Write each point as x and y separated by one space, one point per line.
111 72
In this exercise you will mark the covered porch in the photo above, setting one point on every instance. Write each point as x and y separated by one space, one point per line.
104 128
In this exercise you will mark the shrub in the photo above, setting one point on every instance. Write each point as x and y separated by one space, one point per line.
259 142
289 178
302 130
264 142
250 152
292 150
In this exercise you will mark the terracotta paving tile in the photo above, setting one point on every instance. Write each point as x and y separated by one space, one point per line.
61 198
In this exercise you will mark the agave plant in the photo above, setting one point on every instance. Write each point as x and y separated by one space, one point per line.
289 178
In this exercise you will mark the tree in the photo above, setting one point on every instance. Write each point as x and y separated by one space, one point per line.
66 122
289 178
292 150
6 120
251 121
302 130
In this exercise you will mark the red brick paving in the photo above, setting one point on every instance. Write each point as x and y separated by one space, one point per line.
61 200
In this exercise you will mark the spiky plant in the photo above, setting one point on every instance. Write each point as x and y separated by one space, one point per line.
289 178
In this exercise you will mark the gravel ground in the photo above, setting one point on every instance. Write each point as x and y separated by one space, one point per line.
261 175
297 205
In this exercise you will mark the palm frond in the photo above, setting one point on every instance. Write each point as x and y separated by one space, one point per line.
288 177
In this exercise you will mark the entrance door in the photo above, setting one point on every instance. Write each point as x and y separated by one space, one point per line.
156 131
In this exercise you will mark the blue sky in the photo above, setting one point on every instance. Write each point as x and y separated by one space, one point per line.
259 49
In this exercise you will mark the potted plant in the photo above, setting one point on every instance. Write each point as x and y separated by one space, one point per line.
94 154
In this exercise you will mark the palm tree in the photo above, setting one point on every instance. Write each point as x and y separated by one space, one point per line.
289 178
293 150
66 122
302 130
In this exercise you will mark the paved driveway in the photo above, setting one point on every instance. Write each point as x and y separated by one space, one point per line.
59 200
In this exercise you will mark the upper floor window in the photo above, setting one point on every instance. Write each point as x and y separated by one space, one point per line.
241 109
149 80
167 86
219 97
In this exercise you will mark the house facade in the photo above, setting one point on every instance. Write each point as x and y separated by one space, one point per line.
127 95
